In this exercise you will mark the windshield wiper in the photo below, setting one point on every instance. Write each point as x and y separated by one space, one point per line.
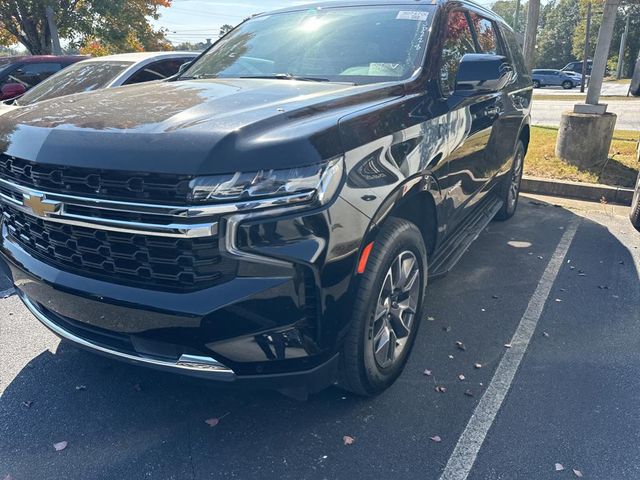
197 77
290 76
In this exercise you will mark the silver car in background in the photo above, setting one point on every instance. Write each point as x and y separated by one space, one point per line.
107 72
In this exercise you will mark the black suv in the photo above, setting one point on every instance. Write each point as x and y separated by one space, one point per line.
272 216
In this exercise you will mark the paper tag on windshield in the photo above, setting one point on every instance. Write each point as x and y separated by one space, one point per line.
416 15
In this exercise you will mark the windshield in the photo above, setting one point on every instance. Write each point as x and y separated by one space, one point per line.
354 44
80 77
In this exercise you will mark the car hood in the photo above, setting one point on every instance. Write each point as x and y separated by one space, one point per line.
189 127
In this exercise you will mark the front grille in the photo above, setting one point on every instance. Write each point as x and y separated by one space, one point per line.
112 184
133 259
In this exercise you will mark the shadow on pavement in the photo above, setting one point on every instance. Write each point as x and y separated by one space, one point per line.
117 430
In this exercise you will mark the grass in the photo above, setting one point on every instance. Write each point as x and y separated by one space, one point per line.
622 81
580 98
621 169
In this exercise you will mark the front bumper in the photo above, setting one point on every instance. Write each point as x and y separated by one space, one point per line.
272 326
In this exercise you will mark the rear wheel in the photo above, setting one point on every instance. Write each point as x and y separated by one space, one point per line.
510 192
536 84
387 310
567 85
635 207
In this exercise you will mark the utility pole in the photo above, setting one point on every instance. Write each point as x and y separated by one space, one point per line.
53 28
584 136
600 58
516 16
585 55
531 32
623 46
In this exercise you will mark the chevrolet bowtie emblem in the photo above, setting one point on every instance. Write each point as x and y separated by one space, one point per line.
40 206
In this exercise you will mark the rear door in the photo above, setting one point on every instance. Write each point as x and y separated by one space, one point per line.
470 168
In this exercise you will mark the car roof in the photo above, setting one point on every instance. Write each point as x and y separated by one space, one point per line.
141 56
45 58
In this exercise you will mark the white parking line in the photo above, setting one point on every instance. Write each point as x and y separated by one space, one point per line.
471 440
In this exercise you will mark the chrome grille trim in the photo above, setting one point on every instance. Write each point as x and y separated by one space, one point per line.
189 220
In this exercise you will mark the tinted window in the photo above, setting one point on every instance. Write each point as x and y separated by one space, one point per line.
487 37
355 44
158 70
31 74
514 47
81 77
458 43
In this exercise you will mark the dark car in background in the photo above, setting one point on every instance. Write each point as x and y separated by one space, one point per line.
19 74
555 78
107 72
577 67
272 216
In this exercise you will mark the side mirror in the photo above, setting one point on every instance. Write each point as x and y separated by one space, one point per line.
12 90
482 73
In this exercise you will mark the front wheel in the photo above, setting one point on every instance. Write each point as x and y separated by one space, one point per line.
510 191
567 85
635 207
387 310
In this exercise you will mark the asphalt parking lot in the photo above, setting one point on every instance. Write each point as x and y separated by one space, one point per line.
559 284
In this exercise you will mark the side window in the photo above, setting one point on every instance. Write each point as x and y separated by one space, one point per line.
157 70
458 43
515 48
486 32
31 74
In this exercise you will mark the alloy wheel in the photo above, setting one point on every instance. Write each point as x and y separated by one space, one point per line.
516 176
396 309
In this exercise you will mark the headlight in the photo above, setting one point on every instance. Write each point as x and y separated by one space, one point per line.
314 182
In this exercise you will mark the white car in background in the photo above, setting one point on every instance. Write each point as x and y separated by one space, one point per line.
105 72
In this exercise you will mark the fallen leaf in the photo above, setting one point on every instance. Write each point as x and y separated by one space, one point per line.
212 422
60 446
446 329
545 334
461 377
428 373
441 389
558 300
469 393
348 440
572 267
460 346
559 467
27 404
507 345
81 387
483 309
435 439
577 473
477 365
431 319
495 297
603 287
450 357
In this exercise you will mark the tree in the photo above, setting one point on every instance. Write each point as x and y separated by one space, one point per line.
115 25
555 41
226 28
507 10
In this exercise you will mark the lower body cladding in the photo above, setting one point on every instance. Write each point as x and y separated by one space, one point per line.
276 324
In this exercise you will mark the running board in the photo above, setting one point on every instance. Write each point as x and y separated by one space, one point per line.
454 247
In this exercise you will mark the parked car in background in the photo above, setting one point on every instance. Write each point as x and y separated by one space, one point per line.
555 78
19 74
108 72
271 216
577 67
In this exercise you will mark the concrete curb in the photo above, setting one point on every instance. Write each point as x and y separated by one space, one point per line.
577 190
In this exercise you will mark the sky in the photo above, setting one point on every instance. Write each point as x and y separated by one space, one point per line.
196 20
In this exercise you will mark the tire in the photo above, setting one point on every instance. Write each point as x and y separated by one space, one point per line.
635 207
536 84
567 85
364 370
510 189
